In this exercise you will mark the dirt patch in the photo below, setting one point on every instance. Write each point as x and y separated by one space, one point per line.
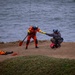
67 50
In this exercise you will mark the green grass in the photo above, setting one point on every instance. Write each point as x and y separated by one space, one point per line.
37 65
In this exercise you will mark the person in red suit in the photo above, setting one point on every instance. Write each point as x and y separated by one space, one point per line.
32 30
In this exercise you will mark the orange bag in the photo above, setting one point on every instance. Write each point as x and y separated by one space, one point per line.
2 52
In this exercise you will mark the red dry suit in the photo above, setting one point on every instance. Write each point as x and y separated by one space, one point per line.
32 30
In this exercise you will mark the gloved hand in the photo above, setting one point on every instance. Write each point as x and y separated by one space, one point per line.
29 33
43 32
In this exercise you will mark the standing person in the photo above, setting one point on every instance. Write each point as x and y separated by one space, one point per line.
32 30
56 40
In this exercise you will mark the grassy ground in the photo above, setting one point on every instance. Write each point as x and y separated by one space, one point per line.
37 65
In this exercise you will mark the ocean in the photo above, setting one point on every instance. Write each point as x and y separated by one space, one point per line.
17 15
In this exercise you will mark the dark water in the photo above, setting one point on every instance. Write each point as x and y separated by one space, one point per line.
17 15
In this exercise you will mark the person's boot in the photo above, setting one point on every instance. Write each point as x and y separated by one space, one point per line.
26 48
36 47
27 43
56 46
59 45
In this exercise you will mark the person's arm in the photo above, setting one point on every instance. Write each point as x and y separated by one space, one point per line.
28 31
50 34
40 31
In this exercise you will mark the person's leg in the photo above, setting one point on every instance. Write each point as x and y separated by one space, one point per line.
57 43
52 45
54 41
60 41
36 41
28 40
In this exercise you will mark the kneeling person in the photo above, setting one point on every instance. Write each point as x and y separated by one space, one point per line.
56 40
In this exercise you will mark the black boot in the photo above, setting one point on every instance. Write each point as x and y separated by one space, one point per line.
26 48
36 47
59 45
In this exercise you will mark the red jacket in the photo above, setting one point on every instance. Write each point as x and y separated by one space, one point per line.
32 31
